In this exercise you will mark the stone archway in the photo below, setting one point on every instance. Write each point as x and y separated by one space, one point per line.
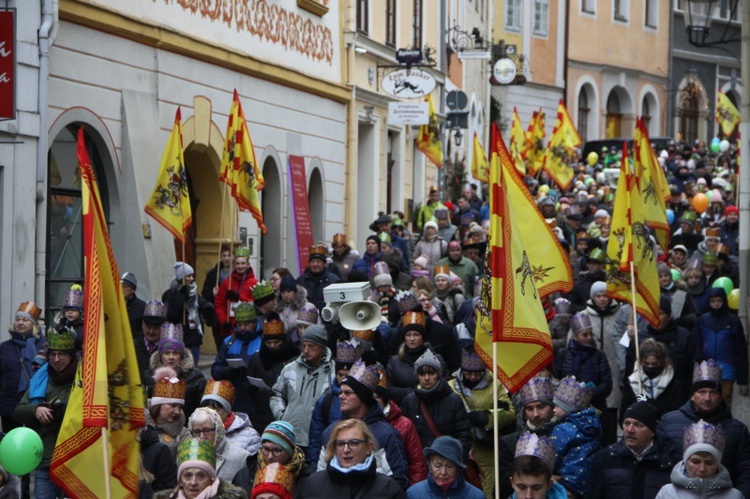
316 198
271 254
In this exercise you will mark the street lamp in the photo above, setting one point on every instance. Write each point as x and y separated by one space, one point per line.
698 16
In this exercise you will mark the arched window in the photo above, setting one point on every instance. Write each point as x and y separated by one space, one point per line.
583 114
646 112
614 116
690 98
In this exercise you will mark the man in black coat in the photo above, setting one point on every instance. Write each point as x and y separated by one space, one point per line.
706 403
133 304
147 339
637 466
316 277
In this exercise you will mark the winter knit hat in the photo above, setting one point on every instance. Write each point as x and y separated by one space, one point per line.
644 412
315 334
129 279
282 434
428 359
422 261
597 287
288 283
182 269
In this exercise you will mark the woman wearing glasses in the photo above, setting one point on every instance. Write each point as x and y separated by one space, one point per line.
351 468
278 445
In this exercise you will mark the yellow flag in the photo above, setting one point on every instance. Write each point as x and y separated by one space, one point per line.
533 149
561 147
479 166
428 140
510 310
239 166
517 138
107 392
610 132
652 184
170 202
727 115
629 242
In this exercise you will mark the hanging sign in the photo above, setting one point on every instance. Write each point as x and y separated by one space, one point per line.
408 83
7 64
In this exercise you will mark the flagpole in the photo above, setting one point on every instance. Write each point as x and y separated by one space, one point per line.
221 228
495 429
634 320
105 462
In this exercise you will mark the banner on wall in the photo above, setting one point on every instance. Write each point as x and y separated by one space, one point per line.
301 209
7 64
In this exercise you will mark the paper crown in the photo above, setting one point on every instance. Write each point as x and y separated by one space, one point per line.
245 312
307 316
572 396
364 374
470 361
530 444
383 381
222 389
273 329
171 337
708 370
348 351
552 222
722 249
537 389
689 217
581 322
319 250
380 268
694 263
406 301
73 298
155 309
562 307
274 478
263 292
701 434
367 335
61 340
29 310
339 238
414 321
710 258
168 388
442 270
384 237
597 255
192 449
242 252
713 232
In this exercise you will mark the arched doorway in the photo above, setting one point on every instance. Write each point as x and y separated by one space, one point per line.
585 101
271 206
316 198
614 116
650 114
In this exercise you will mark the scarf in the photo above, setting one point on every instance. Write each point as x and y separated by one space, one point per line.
652 388
445 485
357 467
228 422
207 493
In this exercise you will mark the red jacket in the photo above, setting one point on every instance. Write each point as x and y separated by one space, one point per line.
412 444
242 284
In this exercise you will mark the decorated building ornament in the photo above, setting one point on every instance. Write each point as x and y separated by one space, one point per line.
530 444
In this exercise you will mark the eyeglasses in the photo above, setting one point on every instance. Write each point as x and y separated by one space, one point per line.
271 451
347 393
353 443
197 432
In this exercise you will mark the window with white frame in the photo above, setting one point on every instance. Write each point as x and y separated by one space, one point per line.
513 14
621 9
651 17
541 17
588 6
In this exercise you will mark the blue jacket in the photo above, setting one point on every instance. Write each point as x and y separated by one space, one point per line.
576 438
391 447
13 380
723 339
238 346
366 263
320 422
428 489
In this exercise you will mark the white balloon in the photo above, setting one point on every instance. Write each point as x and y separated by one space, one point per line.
724 145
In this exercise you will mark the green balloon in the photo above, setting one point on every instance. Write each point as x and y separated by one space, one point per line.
724 282
21 451
676 274
715 146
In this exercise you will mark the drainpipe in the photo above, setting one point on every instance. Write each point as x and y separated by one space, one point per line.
47 32
744 169
352 130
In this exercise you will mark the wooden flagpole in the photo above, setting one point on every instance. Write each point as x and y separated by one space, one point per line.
634 320
105 463
495 429
221 228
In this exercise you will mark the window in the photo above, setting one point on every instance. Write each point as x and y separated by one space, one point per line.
390 23
620 10
588 6
651 14
690 113
417 25
646 113
614 116
362 16
541 17
583 114
513 14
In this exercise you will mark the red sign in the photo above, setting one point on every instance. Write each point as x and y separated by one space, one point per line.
7 65
301 210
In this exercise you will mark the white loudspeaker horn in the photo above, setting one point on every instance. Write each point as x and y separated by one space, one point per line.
360 315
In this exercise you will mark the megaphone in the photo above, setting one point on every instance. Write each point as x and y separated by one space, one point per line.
336 295
360 315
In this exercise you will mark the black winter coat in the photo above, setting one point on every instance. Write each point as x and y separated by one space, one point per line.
266 364
736 457
331 483
177 314
670 399
615 472
507 452
158 460
586 363
446 410
441 337
314 284
135 307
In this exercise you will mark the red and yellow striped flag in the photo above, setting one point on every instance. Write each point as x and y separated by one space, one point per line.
727 115
479 167
652 184
239 167
629 242
428 140
170 202
533 148
560 149
511 310
107 393
517 138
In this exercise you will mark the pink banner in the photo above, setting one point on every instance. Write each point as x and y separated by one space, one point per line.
301 210
7 64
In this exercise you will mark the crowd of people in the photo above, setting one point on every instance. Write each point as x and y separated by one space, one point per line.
403 407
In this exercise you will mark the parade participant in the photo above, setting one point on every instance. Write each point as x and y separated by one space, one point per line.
687 235
273 482
654 380
431 245
464 210
638 465
196 475
277 276
158 466
214 277
581 292
238 430
172 353
147 341
186 307
71 314
275 352
681 304
165 408
706 403
303 381
234 289
316 277
530 474
461 266
278 446
427 211
231 460
293 299
350 467
264 299
559 325
730 229
42 407
365 265
134 305
343 256
446 467
446 230
234 356
449 297
679 257
700 473
401 280
383 225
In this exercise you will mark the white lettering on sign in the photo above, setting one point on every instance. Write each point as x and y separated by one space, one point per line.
3 52
4 78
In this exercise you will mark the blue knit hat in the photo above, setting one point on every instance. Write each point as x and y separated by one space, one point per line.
282 434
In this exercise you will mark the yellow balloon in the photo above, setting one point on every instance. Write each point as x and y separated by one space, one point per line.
592 158
733 300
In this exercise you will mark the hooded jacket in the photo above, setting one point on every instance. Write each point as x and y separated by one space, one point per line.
723 339
576 438
315 283
587 364
682 487
242 434
267 364
241 284
410 439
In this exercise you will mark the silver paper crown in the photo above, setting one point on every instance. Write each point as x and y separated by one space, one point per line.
406 301
366 375
470 361
380 268
171 331
580 322
73 298
348 351
307 316
530 444
704 433
572 393
155 308
708 370
537 389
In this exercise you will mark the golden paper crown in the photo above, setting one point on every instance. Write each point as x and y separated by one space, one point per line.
273 327
339 238
220 388
364 334
413 320
168 389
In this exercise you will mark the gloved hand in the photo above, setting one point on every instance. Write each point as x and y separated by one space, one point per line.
641 397
479 418
743 390
233 295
